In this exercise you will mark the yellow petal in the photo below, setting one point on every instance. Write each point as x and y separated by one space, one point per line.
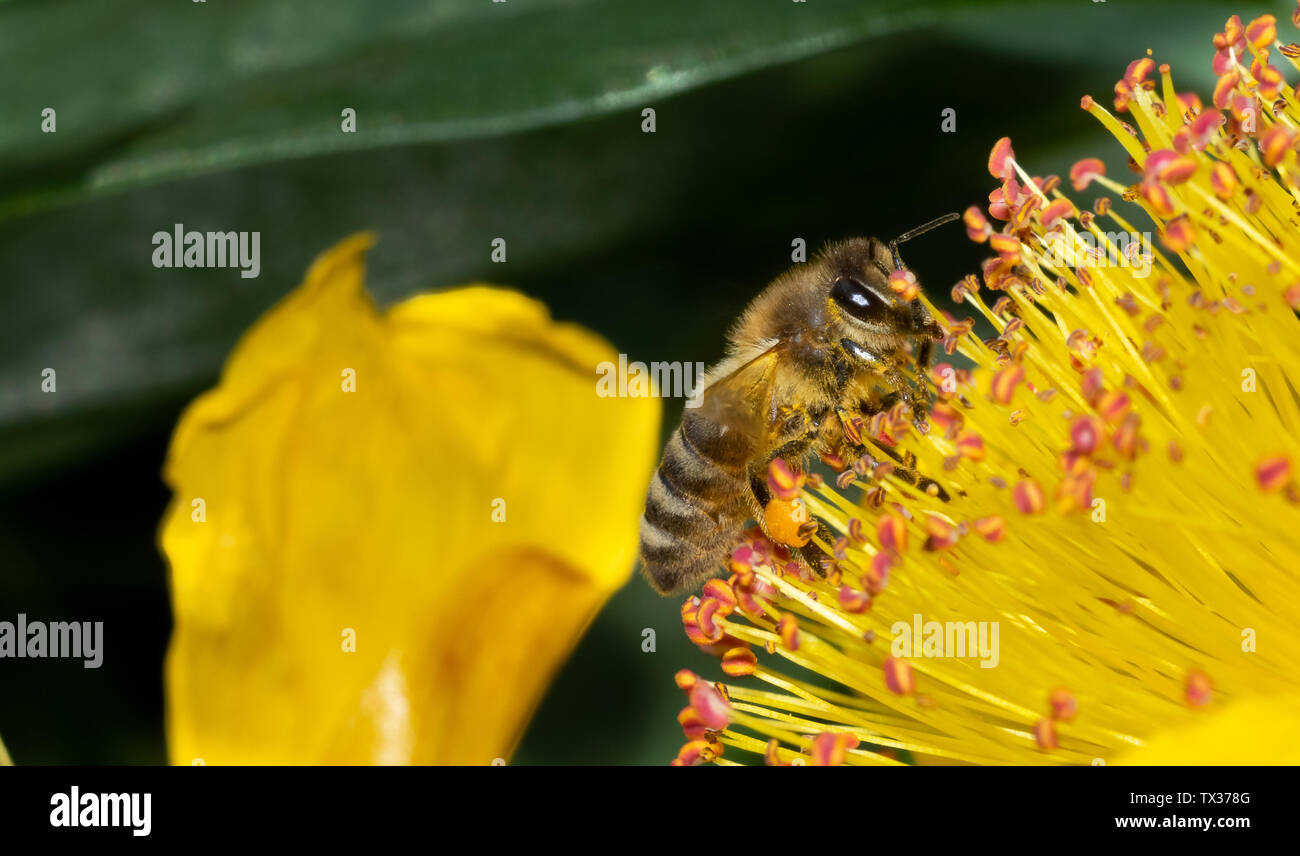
1251 732
329 512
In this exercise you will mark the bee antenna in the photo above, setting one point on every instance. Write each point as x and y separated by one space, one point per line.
919 230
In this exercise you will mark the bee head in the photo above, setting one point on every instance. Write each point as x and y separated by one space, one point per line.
871 313
857 274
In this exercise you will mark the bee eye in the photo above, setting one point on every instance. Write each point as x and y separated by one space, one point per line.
856 299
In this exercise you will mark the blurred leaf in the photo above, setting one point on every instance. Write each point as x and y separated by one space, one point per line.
162 91
1109 35
154 92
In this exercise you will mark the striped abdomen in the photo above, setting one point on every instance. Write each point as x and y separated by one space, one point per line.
697 503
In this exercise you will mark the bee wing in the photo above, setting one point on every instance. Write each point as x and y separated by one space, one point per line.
743 399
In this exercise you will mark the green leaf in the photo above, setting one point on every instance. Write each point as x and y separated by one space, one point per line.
146 92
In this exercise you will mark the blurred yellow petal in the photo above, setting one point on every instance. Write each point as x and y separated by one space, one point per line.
1252 732
5 760
305 515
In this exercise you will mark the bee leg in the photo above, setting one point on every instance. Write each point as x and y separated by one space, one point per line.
907 471
904 389
761 495
794 449
813 555
925 355
906 461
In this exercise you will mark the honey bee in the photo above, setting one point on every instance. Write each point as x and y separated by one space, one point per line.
822 343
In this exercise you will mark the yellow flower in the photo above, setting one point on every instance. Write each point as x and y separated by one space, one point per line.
389 529
1115 576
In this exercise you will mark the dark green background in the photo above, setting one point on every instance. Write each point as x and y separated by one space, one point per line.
476 120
